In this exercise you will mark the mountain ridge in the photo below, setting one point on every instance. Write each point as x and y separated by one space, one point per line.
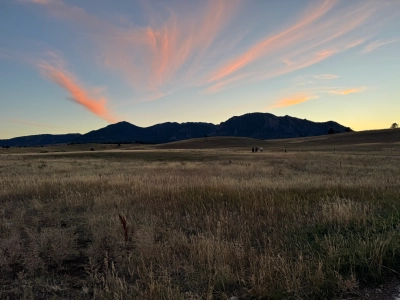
253 125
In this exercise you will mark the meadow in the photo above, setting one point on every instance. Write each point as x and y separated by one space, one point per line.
198 224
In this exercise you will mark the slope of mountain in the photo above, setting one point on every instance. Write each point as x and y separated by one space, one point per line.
40 139
161 133
252 125
268 126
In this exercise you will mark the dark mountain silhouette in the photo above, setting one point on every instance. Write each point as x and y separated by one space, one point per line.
39 140
253 125
268 126
124 132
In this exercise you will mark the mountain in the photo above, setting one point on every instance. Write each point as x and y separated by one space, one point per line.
41 139
124 132
252 125
268 126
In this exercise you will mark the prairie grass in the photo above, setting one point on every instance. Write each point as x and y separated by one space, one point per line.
199 225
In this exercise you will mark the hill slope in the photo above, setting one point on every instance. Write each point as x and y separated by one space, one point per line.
363 140
39 140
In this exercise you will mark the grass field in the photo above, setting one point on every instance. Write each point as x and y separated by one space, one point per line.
156 223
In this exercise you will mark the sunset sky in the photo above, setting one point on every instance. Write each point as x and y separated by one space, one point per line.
71 66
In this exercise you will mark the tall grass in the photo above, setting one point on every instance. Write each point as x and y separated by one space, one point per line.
268 226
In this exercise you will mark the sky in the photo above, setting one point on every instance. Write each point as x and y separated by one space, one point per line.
72 66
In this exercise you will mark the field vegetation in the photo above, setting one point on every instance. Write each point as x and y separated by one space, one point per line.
201 224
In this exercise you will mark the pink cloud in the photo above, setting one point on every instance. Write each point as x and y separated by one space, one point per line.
192 49
272 43
56 73
319 34
157 57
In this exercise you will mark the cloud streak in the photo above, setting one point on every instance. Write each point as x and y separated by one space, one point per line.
56 73
326 76
377 44
158 58
192 48
294 100
35 124
276 41
348 91
319 33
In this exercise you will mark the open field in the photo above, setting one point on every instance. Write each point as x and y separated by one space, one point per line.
200 224
372 140
386 141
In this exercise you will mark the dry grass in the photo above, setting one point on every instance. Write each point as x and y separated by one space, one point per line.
199 225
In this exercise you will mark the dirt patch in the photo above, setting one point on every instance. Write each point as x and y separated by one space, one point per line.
390 290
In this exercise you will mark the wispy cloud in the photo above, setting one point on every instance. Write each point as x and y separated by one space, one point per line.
55 71
294 100
42 1
157 58
356 43
192 48
35 124
347 91
326 76
263 47
320 33
221 84
376 44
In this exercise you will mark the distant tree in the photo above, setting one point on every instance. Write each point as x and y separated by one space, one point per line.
331 131
394 126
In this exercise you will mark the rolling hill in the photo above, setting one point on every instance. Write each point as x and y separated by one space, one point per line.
364 140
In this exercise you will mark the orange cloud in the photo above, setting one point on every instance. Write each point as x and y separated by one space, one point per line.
158 57
348 91
321 33
303 62
190 48
273 42
293 100
78 94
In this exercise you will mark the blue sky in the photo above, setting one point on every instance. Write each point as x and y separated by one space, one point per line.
78 65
